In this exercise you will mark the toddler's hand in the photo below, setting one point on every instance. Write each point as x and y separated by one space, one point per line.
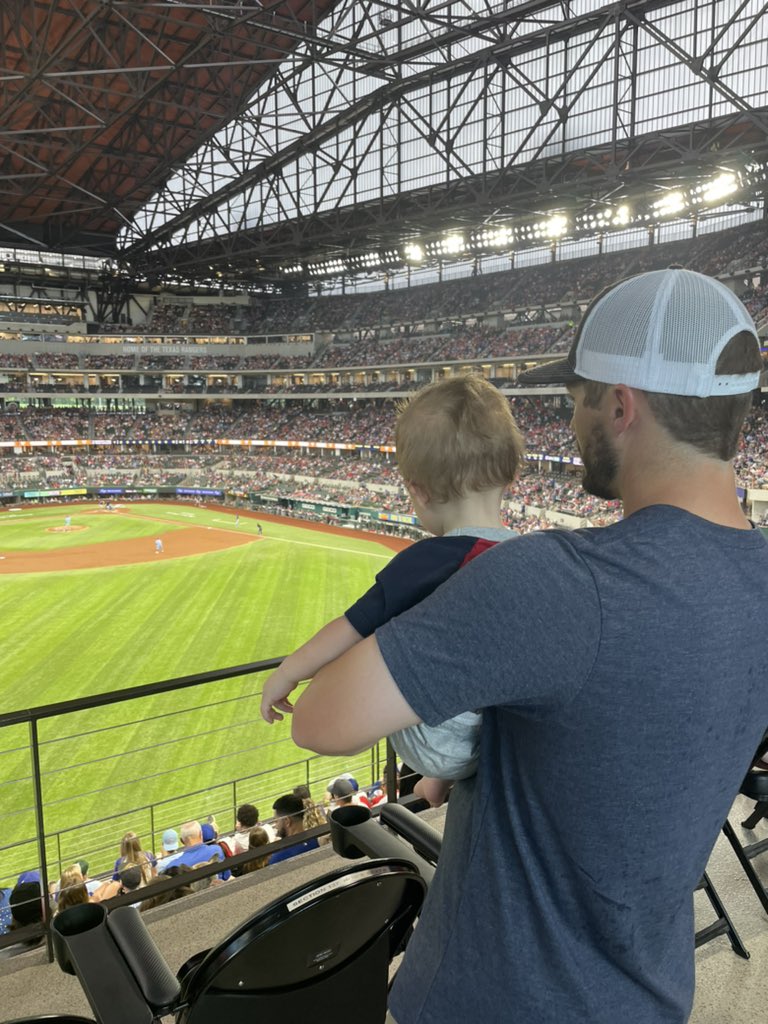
274 697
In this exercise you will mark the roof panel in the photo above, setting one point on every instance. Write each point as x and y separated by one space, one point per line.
101 102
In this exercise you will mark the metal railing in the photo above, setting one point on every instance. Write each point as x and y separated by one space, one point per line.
48 775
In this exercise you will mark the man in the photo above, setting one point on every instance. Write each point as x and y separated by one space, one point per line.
26 907
195 851
622 681
246 818
289 812
169 849
342 793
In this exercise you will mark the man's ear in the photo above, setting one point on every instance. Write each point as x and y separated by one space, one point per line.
622 408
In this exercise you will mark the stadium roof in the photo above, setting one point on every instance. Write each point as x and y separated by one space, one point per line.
100 102
286 140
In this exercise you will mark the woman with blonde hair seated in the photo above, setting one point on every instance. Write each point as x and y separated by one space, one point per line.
132 853
72 890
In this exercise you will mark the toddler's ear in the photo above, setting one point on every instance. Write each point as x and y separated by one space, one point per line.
418 492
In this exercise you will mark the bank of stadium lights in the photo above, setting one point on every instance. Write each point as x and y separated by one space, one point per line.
717 189
448 245
375 259
292 268
601 220
492 238
413 252
754 174
326 268
670 204
555 226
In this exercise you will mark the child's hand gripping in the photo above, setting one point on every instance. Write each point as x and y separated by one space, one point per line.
274 697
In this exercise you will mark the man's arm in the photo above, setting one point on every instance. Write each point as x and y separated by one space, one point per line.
351 703
328 643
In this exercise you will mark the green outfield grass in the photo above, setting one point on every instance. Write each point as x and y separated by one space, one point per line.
67 634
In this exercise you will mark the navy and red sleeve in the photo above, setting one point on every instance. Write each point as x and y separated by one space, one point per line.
410 577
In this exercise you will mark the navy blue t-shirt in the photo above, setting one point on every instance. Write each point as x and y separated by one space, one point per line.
622 677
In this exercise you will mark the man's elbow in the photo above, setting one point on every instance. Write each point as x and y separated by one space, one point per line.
305 736
308 735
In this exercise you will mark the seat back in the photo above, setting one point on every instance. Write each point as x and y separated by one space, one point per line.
320 953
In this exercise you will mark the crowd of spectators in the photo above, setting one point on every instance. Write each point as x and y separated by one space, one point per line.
544 421
191 845
733 251
141 454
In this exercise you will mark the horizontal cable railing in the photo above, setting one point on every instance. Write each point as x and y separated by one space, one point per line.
69 792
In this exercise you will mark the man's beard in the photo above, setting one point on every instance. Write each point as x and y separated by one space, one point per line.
600 466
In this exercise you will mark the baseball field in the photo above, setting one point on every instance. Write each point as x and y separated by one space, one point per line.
112 598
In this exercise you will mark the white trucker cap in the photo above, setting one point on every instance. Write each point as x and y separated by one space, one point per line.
662 331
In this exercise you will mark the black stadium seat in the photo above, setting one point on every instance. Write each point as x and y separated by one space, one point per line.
321 953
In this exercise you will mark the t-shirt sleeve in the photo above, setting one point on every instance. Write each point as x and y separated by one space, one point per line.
496 634
411 575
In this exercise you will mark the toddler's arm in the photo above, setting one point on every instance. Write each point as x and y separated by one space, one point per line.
327 644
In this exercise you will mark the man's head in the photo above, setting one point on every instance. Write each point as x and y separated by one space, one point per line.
130 876
247 816
458 437
191 833
342 791
26 904
170 840
289 812
681 339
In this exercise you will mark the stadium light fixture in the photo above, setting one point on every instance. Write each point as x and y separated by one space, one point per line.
493 238
669 204
452 244
556 226
413 252
718 188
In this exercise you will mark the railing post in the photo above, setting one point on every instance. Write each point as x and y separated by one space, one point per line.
391 774
40 822
58 850
152 845
234 799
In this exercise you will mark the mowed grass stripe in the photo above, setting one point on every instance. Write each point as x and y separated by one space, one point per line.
93 631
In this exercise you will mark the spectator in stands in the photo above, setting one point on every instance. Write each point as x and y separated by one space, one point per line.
342 793
314 814
458 448
5 910
195 851
289 812
169 848
26 908
209 832
247 817
132 853
256 837
596 649
71 890
129 878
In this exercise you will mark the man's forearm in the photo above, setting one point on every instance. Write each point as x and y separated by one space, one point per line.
350 703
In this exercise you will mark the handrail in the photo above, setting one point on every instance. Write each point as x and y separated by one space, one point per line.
31 717
98 700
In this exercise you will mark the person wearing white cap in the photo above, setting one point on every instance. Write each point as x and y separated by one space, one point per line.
621 675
